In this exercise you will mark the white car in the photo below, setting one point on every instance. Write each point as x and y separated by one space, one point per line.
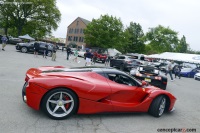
197 76
81 53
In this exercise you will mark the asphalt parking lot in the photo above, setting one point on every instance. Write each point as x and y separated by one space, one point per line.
17 117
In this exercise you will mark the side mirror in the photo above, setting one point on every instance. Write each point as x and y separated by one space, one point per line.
144 83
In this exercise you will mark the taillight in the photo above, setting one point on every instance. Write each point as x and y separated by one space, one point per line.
129 62
26 78
139 74
158 78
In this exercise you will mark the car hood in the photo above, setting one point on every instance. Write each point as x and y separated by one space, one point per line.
197 74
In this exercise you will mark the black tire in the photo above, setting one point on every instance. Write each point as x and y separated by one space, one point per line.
163 87
60 103
49 54
121 67
189 76
158 106
24 50
103 61
111 65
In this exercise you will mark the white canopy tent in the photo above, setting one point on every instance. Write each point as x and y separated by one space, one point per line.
113 51
191 58
27 37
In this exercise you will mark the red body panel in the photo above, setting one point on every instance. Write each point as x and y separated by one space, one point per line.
96 93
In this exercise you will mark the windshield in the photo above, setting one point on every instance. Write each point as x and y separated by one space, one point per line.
186 70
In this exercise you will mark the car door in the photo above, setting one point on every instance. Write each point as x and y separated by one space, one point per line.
126 92
118 61
42 47
193 72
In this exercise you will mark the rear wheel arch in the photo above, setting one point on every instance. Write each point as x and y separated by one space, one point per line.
57 88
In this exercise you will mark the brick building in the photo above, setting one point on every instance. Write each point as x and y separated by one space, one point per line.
75 32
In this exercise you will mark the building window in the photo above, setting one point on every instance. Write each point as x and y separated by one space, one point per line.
77 31
81 31
77 23
69 38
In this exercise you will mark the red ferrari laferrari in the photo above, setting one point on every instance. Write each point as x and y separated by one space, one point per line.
61 92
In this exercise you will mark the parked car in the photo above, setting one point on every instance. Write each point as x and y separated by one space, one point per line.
14 41
197 76
189 72
81 53
29 47
151 75
61 92
100 53
125 62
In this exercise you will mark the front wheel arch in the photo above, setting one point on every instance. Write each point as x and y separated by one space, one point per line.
152 109
24 49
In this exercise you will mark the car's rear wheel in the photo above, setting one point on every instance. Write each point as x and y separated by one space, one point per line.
122 67
60 103
24 50
163 87
111 65
158 105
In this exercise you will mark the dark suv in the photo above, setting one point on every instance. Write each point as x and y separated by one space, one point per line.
29 47
125 62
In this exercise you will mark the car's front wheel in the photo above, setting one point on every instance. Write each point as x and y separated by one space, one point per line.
49 53
24 50
60 103
158 105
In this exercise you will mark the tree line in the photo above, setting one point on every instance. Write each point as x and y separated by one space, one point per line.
109 32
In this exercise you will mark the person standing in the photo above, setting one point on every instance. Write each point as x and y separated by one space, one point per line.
107 61
94 58
88 57
45 51
170 70
4 41
68 52
54 53
36 48
76 56
178 71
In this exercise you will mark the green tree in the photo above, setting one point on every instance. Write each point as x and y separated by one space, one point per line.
182 46
31 15
162 39
105 32
135 43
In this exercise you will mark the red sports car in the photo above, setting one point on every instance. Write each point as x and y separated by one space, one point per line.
61 92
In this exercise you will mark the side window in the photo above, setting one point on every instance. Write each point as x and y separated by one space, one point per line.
102 74
121 57
42 45
121 79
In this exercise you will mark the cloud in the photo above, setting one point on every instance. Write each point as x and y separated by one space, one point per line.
180 15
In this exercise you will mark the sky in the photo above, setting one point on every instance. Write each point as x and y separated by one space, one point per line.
182 16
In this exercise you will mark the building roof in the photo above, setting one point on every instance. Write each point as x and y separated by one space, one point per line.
86 22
